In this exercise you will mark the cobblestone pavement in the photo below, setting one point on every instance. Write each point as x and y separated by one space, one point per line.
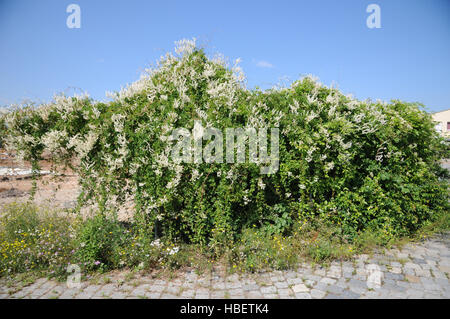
418 270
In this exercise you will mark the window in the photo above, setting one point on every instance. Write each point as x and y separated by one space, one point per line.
448 126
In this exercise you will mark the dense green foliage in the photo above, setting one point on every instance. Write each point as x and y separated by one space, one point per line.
359 165
2 129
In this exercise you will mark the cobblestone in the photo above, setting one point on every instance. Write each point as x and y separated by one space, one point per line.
419 270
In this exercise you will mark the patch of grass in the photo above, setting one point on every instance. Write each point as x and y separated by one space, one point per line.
181 291
129 276
402 261
116 246
26 279
34 239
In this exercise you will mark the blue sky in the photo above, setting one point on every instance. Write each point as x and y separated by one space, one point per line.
407 58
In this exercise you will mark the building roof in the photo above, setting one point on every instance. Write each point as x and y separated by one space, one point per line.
441 111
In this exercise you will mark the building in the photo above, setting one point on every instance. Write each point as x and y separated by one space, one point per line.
442 120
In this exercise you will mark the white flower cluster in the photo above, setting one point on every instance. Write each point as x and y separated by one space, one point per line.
83 145
53 141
